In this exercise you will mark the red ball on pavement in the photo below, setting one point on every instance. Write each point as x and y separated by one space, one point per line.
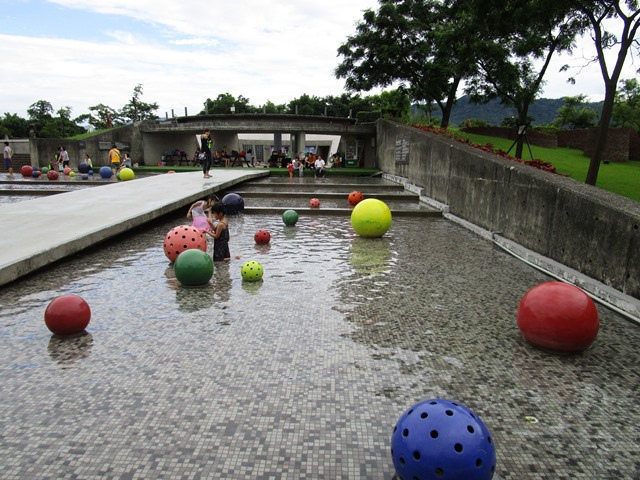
67 315
262 237
355 198
314 203
558 316
181 238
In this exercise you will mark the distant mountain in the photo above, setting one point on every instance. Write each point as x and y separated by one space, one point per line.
542 110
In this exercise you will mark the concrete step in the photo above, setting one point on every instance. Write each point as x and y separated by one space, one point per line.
307 211
407 196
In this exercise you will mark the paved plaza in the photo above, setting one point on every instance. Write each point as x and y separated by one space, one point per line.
302 375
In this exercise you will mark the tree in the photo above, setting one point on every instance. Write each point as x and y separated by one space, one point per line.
600 15
626 107
516 41
415 43
224 102
575 114
136 110
392 104
307 105
98 116
14 126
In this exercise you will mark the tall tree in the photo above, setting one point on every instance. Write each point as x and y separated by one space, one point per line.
575 114
99 115
136 110
224 102
414 43
603 16
515 42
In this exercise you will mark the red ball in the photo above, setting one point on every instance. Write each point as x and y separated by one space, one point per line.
314 203
262 237
355 198
52 175
67 315
183 238
26 170
558 316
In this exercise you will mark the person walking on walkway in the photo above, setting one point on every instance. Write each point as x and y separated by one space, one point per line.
114 158
8 154
206 142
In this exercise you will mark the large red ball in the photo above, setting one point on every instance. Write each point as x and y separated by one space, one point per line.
67 315
183 238
314 203
558 316
355 198
262 237
52 175
26 170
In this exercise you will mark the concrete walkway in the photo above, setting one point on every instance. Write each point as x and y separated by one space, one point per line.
41 231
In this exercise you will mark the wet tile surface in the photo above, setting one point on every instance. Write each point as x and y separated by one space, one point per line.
304 374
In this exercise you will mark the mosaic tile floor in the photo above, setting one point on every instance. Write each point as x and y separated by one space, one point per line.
303 375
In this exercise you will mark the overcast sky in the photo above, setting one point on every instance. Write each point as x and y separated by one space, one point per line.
80 53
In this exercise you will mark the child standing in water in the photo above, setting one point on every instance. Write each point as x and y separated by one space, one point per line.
220 233
202 207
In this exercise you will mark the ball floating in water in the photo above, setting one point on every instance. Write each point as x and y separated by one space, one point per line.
85 176
90 172
72 173
84 167
66 170
45 170
126 174
233 203
52 175
262 237
105 172
252 271
371 218
26 170
182 238
442 439
290 217
355 198
314 203
558 316
35 173
193 267
67 315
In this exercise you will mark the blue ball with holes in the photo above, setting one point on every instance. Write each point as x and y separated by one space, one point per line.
442 439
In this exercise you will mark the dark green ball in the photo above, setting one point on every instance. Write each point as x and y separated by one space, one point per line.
290 217
193 267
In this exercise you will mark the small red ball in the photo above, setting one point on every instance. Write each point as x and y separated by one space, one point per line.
314 203
67 315
262 237
52 175
355 198
558 316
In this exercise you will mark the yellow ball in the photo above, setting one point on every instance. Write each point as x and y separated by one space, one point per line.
371 218
126 174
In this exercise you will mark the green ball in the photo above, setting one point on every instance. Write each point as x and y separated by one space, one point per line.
72 173
290 217
252 271
44 170
193 267
126 174
371 218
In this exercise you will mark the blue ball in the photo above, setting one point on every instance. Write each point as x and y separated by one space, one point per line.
85 176
105 172
436 439
233 203
84 167
90 172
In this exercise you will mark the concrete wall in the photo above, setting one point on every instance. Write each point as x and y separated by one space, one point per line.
97 146
583 227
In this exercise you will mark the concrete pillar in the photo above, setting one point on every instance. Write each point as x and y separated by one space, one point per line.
277 141
301 143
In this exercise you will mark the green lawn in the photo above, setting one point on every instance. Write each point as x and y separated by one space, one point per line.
620 178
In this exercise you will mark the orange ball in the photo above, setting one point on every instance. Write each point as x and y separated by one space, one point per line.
314 203
355 198
181 238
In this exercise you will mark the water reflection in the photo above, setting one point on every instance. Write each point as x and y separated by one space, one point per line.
67 350
370 255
